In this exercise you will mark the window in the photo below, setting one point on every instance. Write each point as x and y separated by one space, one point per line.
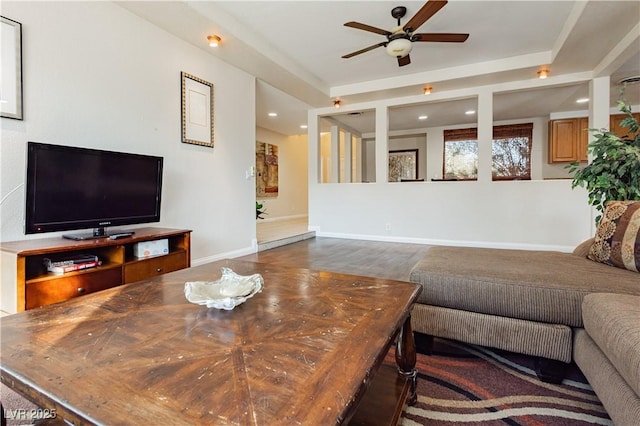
461 154
511 152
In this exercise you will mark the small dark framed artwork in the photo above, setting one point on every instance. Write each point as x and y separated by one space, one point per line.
403 165
197 110
11 60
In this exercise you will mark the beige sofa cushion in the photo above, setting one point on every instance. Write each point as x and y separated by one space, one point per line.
583 248
621 402
613 322
551 341
532 285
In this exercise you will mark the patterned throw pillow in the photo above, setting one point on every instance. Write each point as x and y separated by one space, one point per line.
617 240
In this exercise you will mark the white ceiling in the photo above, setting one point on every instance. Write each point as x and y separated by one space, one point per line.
294 49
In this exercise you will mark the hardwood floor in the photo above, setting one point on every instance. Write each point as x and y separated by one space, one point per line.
368 258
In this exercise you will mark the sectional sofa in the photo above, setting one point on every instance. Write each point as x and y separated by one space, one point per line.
560 307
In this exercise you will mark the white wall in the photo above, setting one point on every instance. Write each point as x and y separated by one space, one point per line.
536 214
292 199
97 76
518 214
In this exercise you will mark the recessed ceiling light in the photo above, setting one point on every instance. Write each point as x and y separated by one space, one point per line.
543 73
582 100
214 40
470 112
273 114
422 117
303 126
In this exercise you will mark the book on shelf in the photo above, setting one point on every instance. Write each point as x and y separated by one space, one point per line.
70 260
59 270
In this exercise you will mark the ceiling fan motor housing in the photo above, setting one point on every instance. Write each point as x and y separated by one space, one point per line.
399 46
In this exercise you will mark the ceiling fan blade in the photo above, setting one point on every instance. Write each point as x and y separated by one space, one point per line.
429 9
365 27
404 61
366 49
440 37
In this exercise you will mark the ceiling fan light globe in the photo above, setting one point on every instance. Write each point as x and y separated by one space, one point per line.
399 48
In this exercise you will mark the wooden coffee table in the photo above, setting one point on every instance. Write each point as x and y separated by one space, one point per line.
306 350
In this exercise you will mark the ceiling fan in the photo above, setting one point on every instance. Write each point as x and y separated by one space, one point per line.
401 38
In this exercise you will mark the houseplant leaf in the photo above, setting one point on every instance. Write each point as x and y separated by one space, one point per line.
614 170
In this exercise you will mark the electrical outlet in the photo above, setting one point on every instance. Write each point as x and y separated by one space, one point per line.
387 227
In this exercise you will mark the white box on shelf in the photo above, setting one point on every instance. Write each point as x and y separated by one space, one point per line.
151 248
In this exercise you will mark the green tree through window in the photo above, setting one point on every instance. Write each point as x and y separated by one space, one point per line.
461 160
512 158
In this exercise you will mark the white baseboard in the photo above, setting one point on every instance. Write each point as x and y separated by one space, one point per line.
226 255
276 219
437 242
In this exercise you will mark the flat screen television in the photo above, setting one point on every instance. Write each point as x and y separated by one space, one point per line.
70 188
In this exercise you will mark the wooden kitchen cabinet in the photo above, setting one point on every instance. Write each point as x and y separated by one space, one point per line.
563 140
583 139
569 137
623 132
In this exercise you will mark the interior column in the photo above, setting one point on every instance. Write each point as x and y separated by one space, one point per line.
382 145
485 136
347 158
335 155
599 101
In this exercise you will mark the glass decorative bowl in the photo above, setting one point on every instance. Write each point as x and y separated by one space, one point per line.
226 293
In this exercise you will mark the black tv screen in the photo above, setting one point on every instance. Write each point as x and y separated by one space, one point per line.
71 188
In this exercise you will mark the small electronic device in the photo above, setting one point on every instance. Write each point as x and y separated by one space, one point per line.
121 235
151 248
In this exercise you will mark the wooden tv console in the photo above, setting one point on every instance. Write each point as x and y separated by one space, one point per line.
26 284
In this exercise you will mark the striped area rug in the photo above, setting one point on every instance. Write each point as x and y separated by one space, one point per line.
466 384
